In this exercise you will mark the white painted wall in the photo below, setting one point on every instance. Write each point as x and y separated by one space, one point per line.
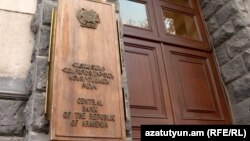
16 38
23 6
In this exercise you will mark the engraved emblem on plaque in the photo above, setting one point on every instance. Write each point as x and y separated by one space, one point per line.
88 18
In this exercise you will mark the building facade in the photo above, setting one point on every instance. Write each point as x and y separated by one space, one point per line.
25 31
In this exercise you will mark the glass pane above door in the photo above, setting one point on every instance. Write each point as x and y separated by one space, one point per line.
180 24
134 14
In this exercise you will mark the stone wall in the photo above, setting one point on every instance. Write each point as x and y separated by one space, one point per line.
247 2
37 127
228 24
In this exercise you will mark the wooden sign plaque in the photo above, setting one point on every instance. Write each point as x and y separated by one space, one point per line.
87 101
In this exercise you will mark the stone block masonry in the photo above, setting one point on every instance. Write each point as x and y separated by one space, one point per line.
11 117
36 125
228 25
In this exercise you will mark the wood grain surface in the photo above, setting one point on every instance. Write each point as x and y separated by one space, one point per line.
77 48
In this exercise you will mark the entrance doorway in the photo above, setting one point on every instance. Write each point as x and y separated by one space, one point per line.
172 74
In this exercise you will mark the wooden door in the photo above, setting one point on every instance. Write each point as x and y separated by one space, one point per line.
172 74
149 99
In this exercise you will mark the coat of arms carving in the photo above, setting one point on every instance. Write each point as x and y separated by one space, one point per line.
88 18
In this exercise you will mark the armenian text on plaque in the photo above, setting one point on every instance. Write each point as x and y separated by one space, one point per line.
87 101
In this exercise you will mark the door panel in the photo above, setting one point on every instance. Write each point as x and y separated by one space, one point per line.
197 97
149 97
